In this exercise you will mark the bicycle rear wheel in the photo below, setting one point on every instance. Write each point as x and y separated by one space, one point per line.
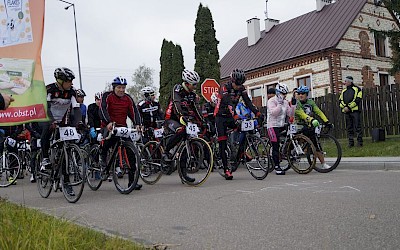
332 152
258 166
73 173
301 154
44 181
195 162
93 171
128 161
150 167
10 168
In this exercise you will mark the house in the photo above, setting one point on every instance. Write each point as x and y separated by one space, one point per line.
318 49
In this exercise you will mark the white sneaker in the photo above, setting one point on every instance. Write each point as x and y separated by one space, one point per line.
45 164
32 179
325 166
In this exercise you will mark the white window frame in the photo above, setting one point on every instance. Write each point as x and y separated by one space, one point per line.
311 83
265 100
386 47
256 87
383 73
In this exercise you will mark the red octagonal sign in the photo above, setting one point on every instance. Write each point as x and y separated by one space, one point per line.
208 87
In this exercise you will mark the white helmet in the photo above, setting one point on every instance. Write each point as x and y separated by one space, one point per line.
214 98
98 95
146 91
190 77
282 88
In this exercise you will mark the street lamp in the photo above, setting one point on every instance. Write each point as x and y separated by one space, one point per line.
76 38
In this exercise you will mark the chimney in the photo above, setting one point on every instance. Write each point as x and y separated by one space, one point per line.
322 3
269 23
253 31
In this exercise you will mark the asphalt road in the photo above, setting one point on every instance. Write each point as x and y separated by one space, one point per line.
345 209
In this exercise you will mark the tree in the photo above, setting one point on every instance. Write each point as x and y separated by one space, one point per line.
171 61
206 46
394 35
142 77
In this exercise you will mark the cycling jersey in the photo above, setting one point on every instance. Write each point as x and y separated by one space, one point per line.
93 114
306 111
208 112
150 112
181 103
116 109
228 98
59 101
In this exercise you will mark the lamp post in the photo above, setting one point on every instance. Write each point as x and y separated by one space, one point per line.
76 38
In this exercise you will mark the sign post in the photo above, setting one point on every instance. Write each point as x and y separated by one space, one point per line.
208 87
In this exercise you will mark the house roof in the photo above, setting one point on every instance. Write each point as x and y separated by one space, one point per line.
311 32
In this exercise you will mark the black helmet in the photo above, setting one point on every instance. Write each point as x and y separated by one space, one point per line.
80 92
64 74
238 76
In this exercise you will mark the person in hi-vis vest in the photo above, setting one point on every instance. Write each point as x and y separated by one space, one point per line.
350 103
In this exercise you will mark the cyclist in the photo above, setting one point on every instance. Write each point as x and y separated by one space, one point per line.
180 109
278 109
150 111
35 131
80 97
306 110
208 113
116 106
225 114
12 132
60 97
94 120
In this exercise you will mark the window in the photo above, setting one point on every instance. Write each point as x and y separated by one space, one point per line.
380 45
256 96
383 79
305 81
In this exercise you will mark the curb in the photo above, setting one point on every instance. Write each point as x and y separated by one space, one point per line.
373 163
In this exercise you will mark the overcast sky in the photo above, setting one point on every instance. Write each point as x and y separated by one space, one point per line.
116 37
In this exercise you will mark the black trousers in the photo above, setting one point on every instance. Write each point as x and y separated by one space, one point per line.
353 124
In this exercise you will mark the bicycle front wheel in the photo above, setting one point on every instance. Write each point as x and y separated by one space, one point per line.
126 168
332 152
74 172
301 154
44 181
93 171
258 162
195 162
10 168
150 167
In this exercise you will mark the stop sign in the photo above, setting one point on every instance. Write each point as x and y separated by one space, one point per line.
208 87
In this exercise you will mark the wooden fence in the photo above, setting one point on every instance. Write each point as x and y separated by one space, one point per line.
380 109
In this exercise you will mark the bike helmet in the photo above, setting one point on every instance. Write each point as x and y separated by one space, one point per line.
303 89
190 77
214 98
147 91
119 80
97 96
80 92
64 74
282 88
238 76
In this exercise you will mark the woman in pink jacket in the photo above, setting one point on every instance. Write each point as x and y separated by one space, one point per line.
278 109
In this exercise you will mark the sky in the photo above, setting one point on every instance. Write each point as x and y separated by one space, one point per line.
116 37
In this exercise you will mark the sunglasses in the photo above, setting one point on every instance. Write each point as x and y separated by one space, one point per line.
301 93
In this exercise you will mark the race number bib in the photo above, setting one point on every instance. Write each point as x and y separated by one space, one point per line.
68 133
292 129
38 144
11 142
135 136
123 132
158 133
318 130
247 125
192 129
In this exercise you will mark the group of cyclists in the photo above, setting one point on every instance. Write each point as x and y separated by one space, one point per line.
225 111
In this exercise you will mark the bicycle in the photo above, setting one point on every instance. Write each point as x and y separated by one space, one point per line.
255 156
329 146
296 151
125 172
10 165
68 166
24 154
189 157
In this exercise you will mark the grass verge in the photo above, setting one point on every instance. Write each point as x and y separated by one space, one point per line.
389 147
24 228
